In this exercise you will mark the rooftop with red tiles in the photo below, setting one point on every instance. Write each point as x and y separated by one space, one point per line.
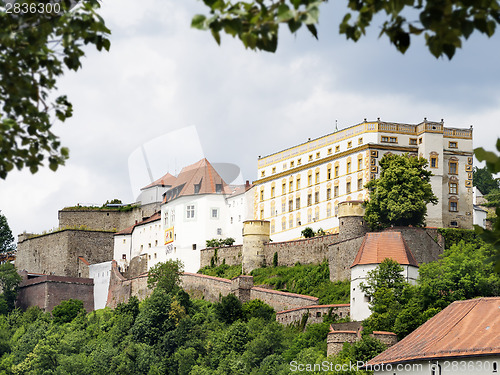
463 329
378 246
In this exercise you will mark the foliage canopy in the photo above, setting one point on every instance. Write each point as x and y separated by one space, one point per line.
35 50
444 24
6 238
401 194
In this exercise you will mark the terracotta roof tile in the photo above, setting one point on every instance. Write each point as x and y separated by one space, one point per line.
129 230
464 328
167 180
198 178
378 246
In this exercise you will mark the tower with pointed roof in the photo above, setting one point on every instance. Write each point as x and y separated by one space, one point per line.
375 248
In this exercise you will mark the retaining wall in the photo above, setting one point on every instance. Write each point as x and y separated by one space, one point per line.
49 291
315 313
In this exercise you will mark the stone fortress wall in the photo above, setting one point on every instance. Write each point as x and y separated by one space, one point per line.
101 219
339 249
58 253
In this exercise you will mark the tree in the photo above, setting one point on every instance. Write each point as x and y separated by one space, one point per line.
68 310
444 24
401 194
166 276
229 309
307 232
9 283
484 181
491 236
6 237
35 50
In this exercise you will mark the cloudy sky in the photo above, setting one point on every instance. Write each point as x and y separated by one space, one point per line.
174 92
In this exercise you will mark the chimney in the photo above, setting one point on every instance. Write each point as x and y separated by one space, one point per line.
247 184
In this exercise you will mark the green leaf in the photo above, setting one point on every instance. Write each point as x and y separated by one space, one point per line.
198 22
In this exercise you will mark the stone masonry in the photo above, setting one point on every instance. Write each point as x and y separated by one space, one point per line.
58 253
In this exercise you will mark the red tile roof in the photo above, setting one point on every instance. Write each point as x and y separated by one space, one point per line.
463 329
167 180
129 230
201 174
378 246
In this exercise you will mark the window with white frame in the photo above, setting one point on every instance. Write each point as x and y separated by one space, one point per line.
190 212
214 213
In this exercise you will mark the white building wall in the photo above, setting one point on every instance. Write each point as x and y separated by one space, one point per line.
360 303
152 194
122 249
480 217
455 366
191 234
239 209
100 272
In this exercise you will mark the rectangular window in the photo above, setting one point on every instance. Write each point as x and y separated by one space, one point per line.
283 189
360 141
329 173
197 188
310 157
434 162
299 162
360 164
349 144
262 174
290 222
454 206
283 225
328 194
413 141
297 203
393 140
336 191
274 170
385 139
453 188
453 167
190 212
261 195
309 180
360 184
420 140
329 151
348 187
309 199
215 213
272 191
318 155
336 171
316 197
261 214
283 207
349 167
317 177
337 148
298 183
453 145
194 246
291 164
290 186
290 205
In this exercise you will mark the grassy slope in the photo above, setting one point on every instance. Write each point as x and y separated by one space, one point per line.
313 280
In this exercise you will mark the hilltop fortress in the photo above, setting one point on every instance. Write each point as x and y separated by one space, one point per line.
317 184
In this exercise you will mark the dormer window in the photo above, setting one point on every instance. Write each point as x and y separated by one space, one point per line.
218 188
197 188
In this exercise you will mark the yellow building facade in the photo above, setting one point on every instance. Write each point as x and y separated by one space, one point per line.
302 186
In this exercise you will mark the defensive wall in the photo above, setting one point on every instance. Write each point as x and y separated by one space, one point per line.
59 253
426 244
48 291
100 219
314 314
205 287
305 251
336 339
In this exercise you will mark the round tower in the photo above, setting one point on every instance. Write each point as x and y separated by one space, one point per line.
351 221
255 236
